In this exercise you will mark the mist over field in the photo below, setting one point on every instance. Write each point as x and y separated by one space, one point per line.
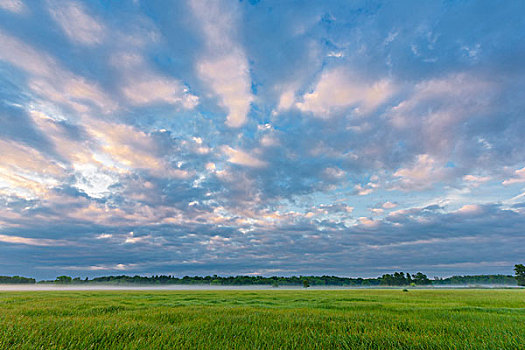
56 288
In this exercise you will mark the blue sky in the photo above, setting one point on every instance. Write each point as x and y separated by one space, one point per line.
347 138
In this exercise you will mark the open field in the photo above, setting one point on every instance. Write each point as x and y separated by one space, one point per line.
301 319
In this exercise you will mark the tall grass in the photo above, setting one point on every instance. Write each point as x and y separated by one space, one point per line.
282 319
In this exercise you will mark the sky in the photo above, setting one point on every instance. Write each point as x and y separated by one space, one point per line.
349 138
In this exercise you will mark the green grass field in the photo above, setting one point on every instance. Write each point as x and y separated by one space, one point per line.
270 319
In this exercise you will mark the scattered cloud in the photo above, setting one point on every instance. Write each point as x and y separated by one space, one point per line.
79 26
50 80
142 86
242 158
115 267
224 66
15 6
39 242
389 205
423 174
198 138
519 177
338 89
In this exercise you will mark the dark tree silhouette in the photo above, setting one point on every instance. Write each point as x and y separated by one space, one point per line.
520 274
306 283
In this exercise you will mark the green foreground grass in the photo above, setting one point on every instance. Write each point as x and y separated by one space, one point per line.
281 319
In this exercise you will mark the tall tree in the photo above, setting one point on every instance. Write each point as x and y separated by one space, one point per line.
421 279
63 279
520 274
306 283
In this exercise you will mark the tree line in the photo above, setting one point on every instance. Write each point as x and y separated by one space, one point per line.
16 280
395 279
400 279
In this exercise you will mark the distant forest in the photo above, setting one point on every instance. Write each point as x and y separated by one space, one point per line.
395 279
16 280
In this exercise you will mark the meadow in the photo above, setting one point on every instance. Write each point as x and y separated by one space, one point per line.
264 319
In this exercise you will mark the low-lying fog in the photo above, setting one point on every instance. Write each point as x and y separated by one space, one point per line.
54 287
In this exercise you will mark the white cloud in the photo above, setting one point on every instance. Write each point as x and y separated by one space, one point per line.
337 54
124 148
242 158
132 239
363 191
476 179
76 23
377 211
25 57
367 188
142 86
26 172
422 175
389 205
159 90
50 80
118 267
470 209
286 100
519 177
334 173
436 107
269 141
338 88
368 222
93 181
42 242
228 77
224 66
16 6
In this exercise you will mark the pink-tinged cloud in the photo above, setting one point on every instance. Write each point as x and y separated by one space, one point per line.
519 177
79 26
339 88
15 6
241 157
223 65
40 242
141 85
